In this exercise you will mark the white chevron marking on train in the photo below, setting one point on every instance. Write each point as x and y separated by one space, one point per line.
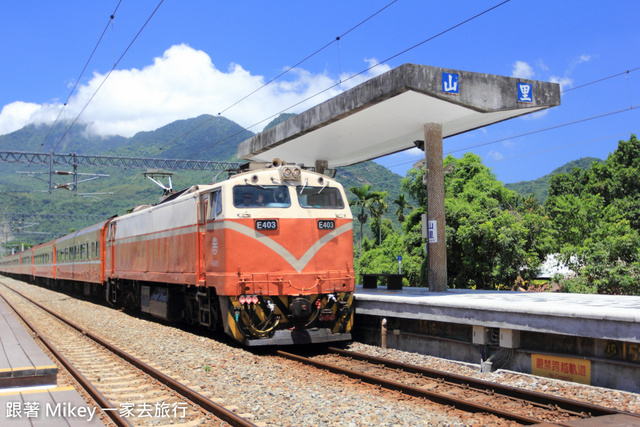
297 264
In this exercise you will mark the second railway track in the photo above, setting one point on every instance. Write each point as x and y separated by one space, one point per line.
128 390
464 393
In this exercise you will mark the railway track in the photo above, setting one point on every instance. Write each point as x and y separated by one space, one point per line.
128 391
464 393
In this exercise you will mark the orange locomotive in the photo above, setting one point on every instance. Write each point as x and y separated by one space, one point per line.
266 255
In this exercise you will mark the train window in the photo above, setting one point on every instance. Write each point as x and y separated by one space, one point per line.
319 197
215 205
218 203
267 196
97 250
211 203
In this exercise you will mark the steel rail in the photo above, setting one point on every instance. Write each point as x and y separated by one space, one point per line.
413 391
86 384
218 410
541 399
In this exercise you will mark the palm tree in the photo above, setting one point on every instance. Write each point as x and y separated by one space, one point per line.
365 200
378 208
402 204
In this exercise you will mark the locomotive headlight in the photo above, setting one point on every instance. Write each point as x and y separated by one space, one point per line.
289 173
242 299
254 299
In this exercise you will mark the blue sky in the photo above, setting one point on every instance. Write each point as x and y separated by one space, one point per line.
201 57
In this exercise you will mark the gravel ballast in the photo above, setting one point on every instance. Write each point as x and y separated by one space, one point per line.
283 393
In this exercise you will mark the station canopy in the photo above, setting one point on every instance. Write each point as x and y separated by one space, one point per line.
387 113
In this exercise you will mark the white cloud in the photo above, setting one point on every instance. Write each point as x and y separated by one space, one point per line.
18 114
374 69
584 58
181 84
522 70
494 156
564 82
540 64
509 143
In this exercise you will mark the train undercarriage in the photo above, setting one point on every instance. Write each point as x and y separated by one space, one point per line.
254 320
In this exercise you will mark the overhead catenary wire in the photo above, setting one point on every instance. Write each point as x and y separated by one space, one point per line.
531 153
565 146
108 74
73 89
357 74
627 72
573 122
287 70
538 131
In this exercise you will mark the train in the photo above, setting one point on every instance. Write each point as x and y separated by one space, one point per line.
265 255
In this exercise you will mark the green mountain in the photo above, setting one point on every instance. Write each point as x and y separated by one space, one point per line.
202 138
540 187
61 139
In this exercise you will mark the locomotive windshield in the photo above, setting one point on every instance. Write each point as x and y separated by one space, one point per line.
319 197
261 196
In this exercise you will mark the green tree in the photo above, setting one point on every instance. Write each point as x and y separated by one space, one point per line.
493 234
384 258
366 200
596 221
401 204
378 208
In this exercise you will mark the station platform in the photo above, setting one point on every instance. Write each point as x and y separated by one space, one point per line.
29 394
597 336
22 361
615 317
58 406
